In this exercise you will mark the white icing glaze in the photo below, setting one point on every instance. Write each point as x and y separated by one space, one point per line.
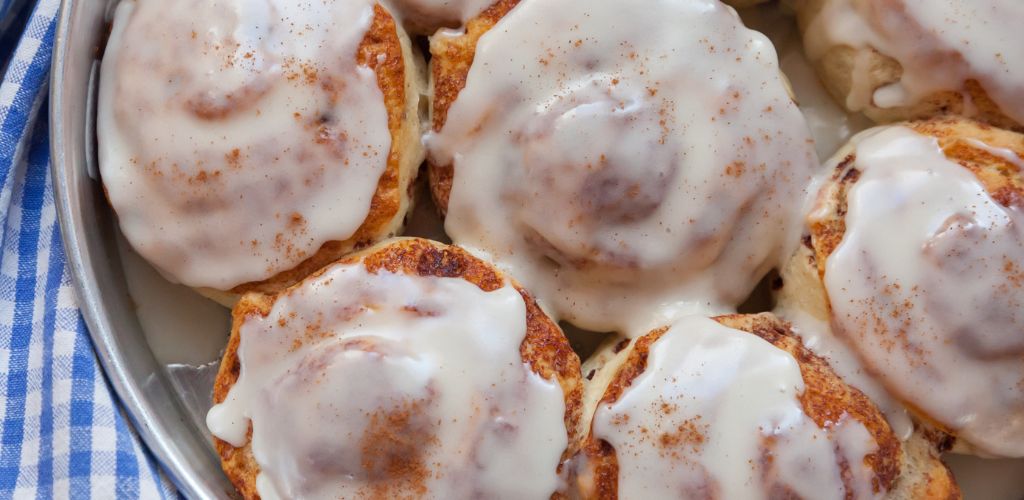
939 43
928 286
361 384
238 136
818 337
1002 153
711 405
626 172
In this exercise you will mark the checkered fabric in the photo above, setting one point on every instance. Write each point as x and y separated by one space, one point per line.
63 433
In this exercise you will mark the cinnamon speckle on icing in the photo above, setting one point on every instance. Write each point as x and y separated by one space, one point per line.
645 172
212 118
380 385
925 285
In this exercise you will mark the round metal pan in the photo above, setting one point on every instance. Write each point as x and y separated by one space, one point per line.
168 414
89 232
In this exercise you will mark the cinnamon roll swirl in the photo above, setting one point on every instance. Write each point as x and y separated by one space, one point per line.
735 407
905 59
411 369
245 144
626 172
914 254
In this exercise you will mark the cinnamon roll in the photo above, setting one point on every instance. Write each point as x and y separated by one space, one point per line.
735 407
410 369
904 59
626 172
914 254
245 144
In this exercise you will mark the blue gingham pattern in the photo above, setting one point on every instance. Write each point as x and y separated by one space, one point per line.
63 434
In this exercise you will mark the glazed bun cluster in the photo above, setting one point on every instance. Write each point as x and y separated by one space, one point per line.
635 167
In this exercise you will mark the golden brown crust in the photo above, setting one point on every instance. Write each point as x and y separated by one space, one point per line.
544 348
238 463
451 59
826 400
600 455
1001 178
382 51
838 65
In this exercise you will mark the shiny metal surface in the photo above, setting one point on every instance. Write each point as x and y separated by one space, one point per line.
88 229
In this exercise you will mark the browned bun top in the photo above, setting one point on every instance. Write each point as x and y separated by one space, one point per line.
1002 179
382 51
453 56
545 348
826 400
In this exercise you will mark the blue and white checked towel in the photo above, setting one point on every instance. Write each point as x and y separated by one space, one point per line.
63 433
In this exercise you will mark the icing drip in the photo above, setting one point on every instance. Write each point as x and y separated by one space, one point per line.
626 172
236 137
